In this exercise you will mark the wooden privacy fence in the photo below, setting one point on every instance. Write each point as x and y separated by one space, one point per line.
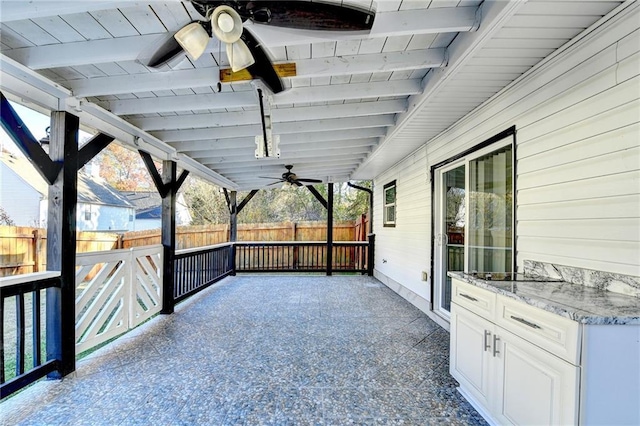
23 250
206 235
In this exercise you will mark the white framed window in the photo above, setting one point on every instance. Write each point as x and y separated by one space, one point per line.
389 216
87 212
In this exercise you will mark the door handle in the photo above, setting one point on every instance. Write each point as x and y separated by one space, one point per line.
495 345
487 345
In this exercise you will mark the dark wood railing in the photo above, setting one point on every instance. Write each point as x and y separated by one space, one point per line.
196 269
29 367
299 256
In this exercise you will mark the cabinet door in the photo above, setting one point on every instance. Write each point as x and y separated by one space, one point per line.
470 355
538 388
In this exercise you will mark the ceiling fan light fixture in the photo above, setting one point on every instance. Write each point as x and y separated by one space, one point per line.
194 39
226 24
239 56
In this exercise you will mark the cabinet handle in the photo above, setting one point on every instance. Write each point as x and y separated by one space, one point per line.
525 322
495 345
487 346
466 296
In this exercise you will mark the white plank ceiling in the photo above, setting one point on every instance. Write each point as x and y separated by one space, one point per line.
359 102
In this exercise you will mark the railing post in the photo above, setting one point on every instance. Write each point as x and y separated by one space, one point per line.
232 258
35 248
371 254
329 228
130 293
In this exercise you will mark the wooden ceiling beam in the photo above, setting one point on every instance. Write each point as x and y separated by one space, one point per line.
82 52
317 137
276 170
286 154
309 126
335 92
367 142
206 77
255 166
278 115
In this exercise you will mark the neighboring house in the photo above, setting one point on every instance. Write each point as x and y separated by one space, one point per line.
20 192
148 205
23 195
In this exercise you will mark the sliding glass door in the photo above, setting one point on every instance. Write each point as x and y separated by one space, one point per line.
491 212
473 214
451 229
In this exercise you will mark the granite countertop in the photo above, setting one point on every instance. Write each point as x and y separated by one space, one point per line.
586 305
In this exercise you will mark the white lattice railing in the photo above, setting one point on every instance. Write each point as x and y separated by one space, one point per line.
116 290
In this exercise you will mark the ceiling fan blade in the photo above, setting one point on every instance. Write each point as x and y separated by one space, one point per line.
269 177
311 15
309 180
262 68
168 50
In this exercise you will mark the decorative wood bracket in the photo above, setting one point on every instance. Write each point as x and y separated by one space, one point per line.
18 131
226 196
246 200
316 194
243 203
164 188
93 148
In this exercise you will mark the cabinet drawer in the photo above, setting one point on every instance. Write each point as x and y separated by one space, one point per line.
556 334
477 300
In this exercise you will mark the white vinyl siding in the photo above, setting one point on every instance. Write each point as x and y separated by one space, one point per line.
405 248
577 119
103 218
19 199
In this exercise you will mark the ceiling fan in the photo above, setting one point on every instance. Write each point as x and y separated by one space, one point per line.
291 178
224 20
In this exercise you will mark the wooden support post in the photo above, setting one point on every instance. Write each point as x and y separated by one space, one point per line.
233 216
329 228
233 228
168 235
371 254
61 242
167 186
294 237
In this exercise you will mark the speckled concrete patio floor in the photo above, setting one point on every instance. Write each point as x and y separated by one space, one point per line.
256 350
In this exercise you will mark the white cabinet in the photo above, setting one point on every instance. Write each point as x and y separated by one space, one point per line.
534 387
519 364
470 356
509 380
